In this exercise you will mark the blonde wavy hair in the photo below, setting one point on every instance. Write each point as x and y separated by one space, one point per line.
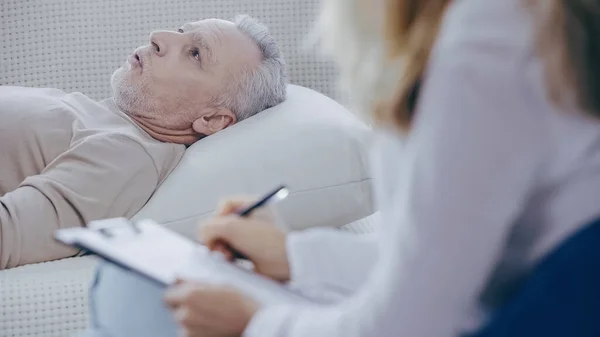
382 48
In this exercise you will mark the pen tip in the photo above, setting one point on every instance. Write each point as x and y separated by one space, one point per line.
282 194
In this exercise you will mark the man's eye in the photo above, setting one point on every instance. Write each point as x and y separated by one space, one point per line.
196 54
180 30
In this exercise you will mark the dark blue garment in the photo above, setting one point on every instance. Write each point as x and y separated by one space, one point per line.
561 297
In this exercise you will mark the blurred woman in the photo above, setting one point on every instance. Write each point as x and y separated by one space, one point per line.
488 157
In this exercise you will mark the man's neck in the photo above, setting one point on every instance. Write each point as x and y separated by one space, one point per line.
155 130
158 132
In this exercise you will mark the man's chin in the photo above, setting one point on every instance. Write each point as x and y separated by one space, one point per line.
117 77
127 94
121 80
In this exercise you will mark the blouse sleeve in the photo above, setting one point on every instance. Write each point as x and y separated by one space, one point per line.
329 262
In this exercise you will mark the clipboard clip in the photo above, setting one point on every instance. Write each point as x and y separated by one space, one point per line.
105 227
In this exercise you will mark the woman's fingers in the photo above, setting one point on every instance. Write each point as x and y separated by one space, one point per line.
178 294
210 231
226 217
232 205
186 317
186 300
221 247
225 229
208 310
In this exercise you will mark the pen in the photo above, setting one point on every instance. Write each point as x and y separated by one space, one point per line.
276 195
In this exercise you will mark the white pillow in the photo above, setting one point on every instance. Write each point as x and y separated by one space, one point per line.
309 143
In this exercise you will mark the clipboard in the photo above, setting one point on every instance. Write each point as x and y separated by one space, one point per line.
163 256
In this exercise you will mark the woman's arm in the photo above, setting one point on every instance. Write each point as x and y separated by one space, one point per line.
471 161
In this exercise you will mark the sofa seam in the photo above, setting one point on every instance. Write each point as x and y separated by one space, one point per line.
291 193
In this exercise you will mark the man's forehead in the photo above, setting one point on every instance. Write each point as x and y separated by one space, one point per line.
223 35
206 23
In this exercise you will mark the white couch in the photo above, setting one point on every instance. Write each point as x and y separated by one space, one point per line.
75 45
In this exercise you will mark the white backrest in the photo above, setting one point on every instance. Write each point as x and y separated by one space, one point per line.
309 143
75 45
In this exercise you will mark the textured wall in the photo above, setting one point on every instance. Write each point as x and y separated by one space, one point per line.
75 45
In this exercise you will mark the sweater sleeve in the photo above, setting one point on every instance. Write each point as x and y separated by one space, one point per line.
470 165
100 177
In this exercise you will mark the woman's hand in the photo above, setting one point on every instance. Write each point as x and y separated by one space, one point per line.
255 236
209 311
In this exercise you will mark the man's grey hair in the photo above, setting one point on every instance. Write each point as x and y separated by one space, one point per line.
256 88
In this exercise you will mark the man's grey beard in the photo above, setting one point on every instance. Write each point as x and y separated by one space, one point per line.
129 97
136 100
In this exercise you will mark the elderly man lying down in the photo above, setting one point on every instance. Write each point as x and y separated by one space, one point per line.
66 159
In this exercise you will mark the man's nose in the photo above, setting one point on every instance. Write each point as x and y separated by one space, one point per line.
160 41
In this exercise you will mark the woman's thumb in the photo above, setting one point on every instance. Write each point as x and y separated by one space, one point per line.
234 205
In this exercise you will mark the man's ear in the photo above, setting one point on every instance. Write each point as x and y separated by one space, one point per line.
214 122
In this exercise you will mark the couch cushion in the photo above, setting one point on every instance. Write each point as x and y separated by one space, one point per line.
310 143
46 299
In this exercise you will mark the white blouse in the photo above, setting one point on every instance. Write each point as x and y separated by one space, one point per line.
490 179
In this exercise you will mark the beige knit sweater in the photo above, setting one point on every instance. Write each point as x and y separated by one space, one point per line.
65 160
